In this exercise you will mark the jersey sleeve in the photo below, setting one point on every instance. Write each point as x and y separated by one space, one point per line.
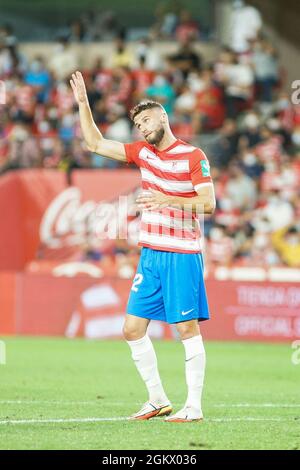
199 169
132 152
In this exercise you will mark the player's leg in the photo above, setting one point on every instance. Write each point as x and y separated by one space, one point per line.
144 357
145 303
135 328
194 371
185 306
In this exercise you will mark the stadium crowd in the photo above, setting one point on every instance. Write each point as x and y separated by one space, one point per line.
235 104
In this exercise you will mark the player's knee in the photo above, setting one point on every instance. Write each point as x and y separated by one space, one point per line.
187 330
131 333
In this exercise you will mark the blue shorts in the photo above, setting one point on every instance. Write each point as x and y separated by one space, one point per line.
169 287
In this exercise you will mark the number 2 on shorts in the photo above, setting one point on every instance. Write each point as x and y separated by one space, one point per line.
136 282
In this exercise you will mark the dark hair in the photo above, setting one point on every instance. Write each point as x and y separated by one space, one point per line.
292 230
146 104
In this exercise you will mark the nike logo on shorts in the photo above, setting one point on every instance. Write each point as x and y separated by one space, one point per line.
185 313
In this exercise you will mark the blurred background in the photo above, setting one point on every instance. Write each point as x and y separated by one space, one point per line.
224 71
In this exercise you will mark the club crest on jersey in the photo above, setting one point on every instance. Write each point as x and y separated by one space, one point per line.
205 168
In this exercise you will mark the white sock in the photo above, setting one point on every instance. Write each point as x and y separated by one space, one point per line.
145 360
194 370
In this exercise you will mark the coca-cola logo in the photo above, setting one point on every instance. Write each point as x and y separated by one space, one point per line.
68 221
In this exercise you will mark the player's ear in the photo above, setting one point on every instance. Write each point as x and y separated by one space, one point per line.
164 118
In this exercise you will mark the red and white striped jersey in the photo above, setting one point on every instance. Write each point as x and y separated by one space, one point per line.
178 170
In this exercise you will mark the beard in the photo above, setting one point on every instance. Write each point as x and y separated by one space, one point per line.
156 136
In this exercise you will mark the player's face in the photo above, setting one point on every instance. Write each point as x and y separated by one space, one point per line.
150 124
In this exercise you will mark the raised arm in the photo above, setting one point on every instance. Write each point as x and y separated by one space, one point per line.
94 139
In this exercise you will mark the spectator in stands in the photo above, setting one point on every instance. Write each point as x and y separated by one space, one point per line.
122 57
295 137
101 75
62 98
186 59
7 35
39 78
266 69
77 31
94 25
240 189
66 128
275 214
21 99
148 55
221 246
107 26
118 124
53 152
162 91
285 110
167 17
6 61
119 89
261 252
251 165
269 149
187 28
93 92
238 80
23 149
185 104
224 148
142 79
64 60
250 134
287 243
209 110
245 26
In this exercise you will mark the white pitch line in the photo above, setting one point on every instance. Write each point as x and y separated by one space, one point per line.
96 420
257 405
114 403
60 420
51 402
249 418
62 402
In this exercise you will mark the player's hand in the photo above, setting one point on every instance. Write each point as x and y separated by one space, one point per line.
153 200
78 87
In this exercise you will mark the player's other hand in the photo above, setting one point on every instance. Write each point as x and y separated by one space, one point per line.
78 87
152 200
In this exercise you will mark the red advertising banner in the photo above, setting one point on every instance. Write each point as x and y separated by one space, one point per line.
95 308
8 298
45 218
24 197
253 310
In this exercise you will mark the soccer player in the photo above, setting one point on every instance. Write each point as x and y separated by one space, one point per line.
169 283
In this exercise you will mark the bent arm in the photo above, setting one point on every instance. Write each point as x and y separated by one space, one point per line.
203 203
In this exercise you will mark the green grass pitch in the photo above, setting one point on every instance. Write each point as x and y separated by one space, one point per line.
63 394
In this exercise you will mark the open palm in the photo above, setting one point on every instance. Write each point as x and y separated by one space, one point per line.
78 87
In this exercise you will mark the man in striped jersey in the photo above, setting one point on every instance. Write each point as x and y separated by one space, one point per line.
169 284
